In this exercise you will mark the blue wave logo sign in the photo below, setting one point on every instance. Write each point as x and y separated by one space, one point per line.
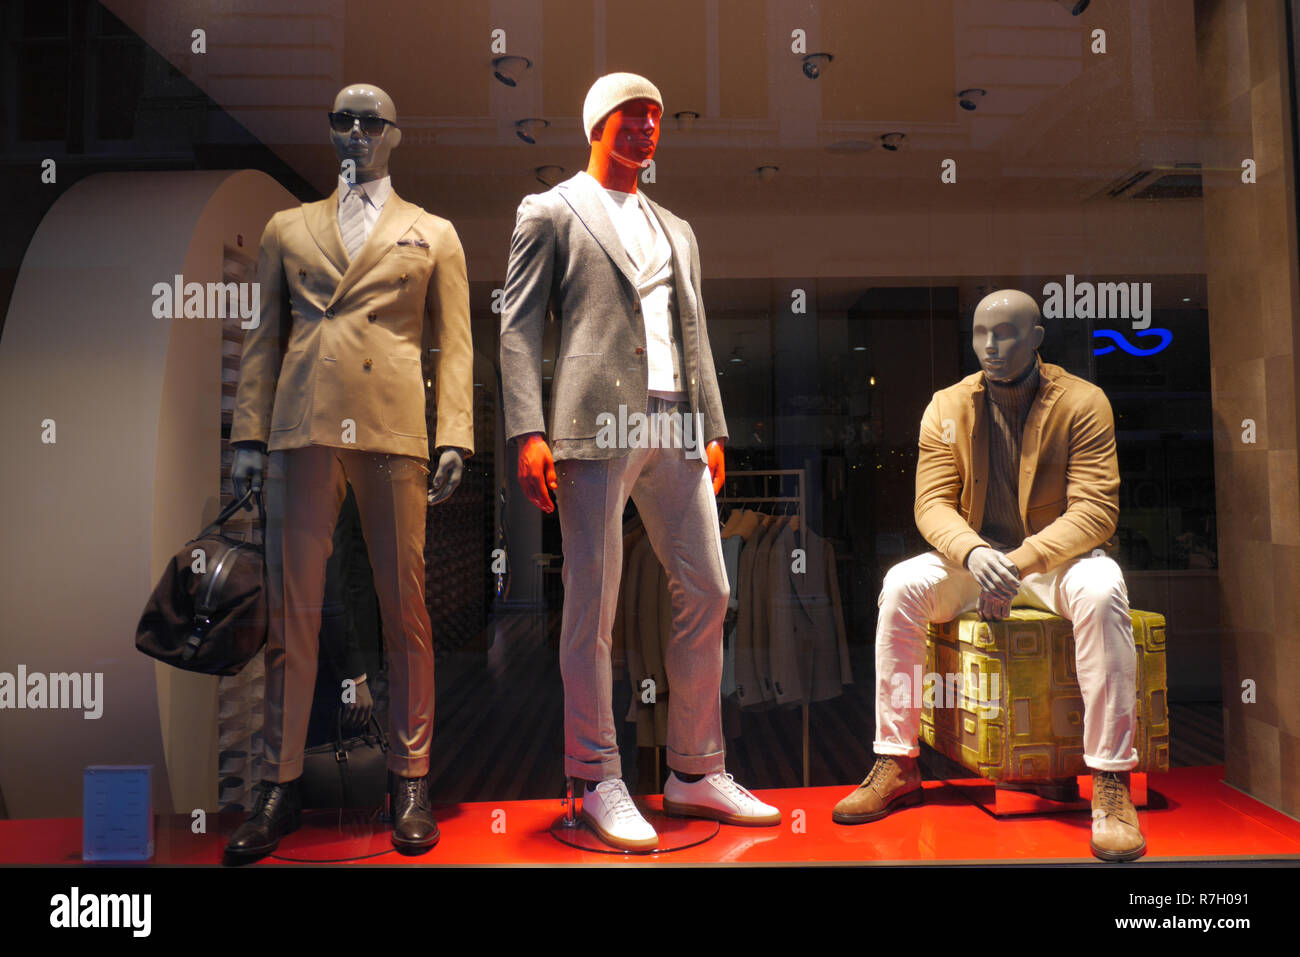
1117 340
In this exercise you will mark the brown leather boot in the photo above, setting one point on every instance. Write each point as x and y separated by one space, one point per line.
894 782
1115 832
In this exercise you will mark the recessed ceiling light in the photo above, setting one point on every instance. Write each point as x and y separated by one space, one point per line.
893 141
528 129
815 64
548 175
508 69
970 99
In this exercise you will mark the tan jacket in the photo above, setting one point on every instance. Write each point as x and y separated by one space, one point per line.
1069 475
341 341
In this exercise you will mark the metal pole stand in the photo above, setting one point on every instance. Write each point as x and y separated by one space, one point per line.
675 833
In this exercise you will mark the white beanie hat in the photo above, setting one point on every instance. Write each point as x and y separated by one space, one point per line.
610 92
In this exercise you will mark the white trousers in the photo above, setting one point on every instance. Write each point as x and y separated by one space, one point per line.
1089 592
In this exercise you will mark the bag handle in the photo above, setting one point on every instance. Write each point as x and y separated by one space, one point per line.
235 506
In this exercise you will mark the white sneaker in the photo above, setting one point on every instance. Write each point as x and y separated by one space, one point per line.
719 797
615 819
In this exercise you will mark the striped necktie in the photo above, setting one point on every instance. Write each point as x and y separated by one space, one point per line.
352 223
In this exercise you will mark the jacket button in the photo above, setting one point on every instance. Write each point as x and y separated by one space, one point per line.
368 363
640 351
329 313
373 316
302 272
402 278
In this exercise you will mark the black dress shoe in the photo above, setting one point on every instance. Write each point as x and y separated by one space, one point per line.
276 812
414 828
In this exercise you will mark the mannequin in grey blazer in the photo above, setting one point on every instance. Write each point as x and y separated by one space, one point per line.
601 361
607 263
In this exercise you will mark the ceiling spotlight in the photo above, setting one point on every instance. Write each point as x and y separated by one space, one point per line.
893 141
970 99
1075 7
549 175
527 130
767 173
686 120
815 64
508 69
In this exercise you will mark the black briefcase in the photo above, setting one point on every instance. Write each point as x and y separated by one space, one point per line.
351 772
208 611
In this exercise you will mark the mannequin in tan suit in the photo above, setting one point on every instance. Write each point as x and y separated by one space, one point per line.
353 288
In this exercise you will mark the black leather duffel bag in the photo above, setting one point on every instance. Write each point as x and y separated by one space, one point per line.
208 612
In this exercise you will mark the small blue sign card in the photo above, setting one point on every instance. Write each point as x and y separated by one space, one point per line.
117 813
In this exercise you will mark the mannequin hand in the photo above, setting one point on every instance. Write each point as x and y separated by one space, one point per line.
995 572
247 468
537 471
993 607
717 464
451 467
357 714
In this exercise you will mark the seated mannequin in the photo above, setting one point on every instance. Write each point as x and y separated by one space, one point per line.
1017 483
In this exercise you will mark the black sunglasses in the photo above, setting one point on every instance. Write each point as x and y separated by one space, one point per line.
343 122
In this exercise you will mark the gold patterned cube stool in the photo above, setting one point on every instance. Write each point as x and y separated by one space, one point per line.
1002 698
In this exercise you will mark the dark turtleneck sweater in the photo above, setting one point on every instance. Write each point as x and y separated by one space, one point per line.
1007 405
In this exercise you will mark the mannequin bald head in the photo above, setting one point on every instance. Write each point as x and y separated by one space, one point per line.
1007 332
368 152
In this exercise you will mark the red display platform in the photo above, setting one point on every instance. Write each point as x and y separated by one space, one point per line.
1192 816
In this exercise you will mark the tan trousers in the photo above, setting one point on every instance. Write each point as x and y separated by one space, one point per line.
305 489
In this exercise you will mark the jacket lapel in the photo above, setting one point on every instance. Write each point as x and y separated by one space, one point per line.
322 221
681 262
1031 441
395 219
591 211
979 454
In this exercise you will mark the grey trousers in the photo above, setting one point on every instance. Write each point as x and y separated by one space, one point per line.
674 495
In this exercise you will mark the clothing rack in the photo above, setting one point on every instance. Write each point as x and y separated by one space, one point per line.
799 502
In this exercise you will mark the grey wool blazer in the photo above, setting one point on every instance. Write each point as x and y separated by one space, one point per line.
566 258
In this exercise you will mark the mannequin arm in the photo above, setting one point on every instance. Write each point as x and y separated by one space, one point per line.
537 471
447 309
938 493
529 277
717 464
248 468
264 344
451 468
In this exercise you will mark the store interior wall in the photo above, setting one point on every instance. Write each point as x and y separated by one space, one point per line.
1250 235
131 474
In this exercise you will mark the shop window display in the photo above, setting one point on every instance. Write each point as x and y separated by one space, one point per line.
704 361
